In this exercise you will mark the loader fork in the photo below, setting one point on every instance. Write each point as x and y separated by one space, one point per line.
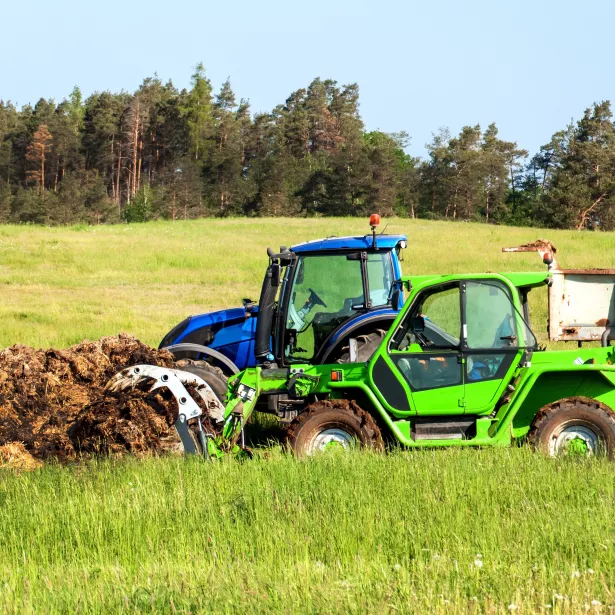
175 380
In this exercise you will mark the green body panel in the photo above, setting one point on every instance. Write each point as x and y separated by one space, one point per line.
503 406
513 279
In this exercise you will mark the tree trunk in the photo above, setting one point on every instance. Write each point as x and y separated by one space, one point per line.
135 145
455 204
57 174
113 189
118 179
43 171
512 187
139 163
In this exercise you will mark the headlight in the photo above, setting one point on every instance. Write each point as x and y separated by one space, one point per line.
403 244
245 393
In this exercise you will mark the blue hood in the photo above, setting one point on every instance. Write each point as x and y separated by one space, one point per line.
230 331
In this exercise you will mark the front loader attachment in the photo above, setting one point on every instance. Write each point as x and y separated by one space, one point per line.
175 381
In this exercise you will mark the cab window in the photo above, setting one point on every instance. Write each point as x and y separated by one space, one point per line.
490 316
380 277
434 321
324 292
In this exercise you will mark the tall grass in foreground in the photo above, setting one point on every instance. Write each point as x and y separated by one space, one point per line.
434 531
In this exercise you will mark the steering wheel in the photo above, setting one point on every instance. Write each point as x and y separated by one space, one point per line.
314 299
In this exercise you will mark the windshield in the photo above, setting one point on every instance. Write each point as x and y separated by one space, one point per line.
328 290
493 321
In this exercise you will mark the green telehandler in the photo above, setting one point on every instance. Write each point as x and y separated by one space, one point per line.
459 366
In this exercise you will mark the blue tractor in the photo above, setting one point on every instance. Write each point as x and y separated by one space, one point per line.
323 301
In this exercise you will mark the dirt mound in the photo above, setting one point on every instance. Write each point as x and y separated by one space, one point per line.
53 403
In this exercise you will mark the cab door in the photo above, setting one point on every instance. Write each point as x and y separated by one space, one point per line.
426 354
493 344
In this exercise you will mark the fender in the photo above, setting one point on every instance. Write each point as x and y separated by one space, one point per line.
384 415
228 332
187 347
350 326
509 412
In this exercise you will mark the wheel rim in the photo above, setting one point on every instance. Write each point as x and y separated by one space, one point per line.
578 440
330 439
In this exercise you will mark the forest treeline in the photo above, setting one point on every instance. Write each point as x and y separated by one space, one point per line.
164 153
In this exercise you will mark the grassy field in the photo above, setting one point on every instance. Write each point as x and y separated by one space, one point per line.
493 531
62 285
432 531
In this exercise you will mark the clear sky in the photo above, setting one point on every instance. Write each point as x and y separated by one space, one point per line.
530 66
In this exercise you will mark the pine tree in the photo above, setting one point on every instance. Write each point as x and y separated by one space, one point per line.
9 128
36 155
197 109
103 142
582 187
499 160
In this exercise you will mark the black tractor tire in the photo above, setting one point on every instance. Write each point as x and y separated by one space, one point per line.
332 421
574 425
212 375
366 346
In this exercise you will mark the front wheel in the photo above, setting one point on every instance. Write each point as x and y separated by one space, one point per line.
575 426
332 424
213 376
217 381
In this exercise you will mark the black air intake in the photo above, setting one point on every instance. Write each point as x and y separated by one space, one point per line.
264 317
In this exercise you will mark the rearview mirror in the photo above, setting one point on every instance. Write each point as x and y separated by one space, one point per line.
353 256
395 299
275 274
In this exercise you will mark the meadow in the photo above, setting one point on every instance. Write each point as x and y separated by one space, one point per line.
442 531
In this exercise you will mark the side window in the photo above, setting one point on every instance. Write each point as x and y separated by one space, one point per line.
490 316
442 315
380 277
430 371
434 321
485 366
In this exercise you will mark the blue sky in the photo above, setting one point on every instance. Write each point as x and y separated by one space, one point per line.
528 66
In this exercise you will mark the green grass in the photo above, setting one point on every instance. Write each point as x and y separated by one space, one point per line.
434 531
402 532
61 285
393 533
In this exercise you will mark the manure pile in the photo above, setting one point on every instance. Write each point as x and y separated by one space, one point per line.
53 404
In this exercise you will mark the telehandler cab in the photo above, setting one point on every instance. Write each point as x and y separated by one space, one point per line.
459 366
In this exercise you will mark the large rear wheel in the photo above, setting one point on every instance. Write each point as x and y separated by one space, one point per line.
366 346
574 426
332 424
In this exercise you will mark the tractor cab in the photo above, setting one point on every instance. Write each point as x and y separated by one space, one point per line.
324 290
315 296
317 292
